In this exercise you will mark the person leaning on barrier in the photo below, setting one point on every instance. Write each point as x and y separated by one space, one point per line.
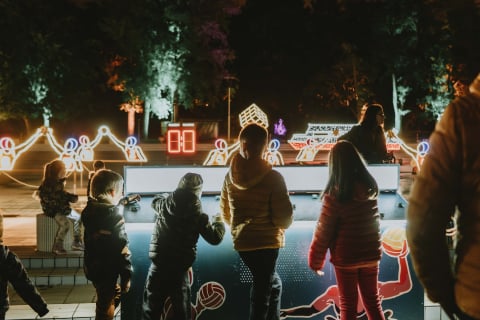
448 180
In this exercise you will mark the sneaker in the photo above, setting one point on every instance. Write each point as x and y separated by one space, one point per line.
78 246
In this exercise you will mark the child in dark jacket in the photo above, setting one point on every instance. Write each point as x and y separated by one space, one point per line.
173 247
107 256
13 271
55 202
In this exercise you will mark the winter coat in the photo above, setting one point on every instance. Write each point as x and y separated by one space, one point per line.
55 200
106 242
371 143
449 178
179 223
350 230
13 271
255 203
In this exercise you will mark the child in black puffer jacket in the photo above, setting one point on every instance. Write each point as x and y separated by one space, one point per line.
107 257
173 247
13 271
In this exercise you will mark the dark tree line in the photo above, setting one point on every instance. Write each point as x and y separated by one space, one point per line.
300 60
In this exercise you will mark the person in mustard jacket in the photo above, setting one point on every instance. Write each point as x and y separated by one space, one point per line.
449 180
255 203
349 227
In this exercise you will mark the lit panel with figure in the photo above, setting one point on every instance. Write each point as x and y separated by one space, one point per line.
221 282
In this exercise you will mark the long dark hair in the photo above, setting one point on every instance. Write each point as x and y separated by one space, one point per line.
346 166
369 120
51 171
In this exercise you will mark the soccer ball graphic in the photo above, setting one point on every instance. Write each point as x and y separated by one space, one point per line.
392 241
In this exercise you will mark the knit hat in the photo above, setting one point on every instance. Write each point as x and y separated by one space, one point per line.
475 86
191 181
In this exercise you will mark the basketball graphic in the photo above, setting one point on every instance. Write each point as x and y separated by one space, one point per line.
211 295
392 241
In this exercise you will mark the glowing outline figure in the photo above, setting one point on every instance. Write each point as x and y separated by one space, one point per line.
308 152
222 152
199 306
7 154
272 155
70 157
386 289
219 156
133 152
85 151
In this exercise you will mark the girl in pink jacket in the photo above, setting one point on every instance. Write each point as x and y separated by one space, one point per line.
349 227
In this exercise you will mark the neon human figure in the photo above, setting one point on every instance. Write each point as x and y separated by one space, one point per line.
85 151
7 153
272 155
386 289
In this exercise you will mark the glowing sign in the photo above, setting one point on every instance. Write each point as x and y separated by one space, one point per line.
72 153
253 114
181 138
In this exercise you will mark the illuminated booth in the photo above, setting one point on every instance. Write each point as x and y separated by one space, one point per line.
220 280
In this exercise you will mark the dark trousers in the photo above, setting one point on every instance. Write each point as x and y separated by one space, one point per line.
350 282
108 298
164 282
266 289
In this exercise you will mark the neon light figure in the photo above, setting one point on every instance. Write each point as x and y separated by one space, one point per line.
70 157
85 151
272 155
395 248
132 151
7 154
308 152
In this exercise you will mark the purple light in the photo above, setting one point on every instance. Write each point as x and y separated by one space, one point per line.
279 128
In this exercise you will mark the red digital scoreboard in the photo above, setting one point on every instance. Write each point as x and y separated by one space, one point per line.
181 138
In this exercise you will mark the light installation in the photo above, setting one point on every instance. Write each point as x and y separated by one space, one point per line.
72 153
222 152
319 136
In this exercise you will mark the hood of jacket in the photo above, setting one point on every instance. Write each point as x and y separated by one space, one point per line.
246 173
181 203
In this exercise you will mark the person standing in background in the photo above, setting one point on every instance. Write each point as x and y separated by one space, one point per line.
368 136
97 165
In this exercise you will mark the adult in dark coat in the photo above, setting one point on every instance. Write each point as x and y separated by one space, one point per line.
368 136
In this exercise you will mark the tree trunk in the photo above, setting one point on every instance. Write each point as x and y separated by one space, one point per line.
26 123
131 122
146 120
398 118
